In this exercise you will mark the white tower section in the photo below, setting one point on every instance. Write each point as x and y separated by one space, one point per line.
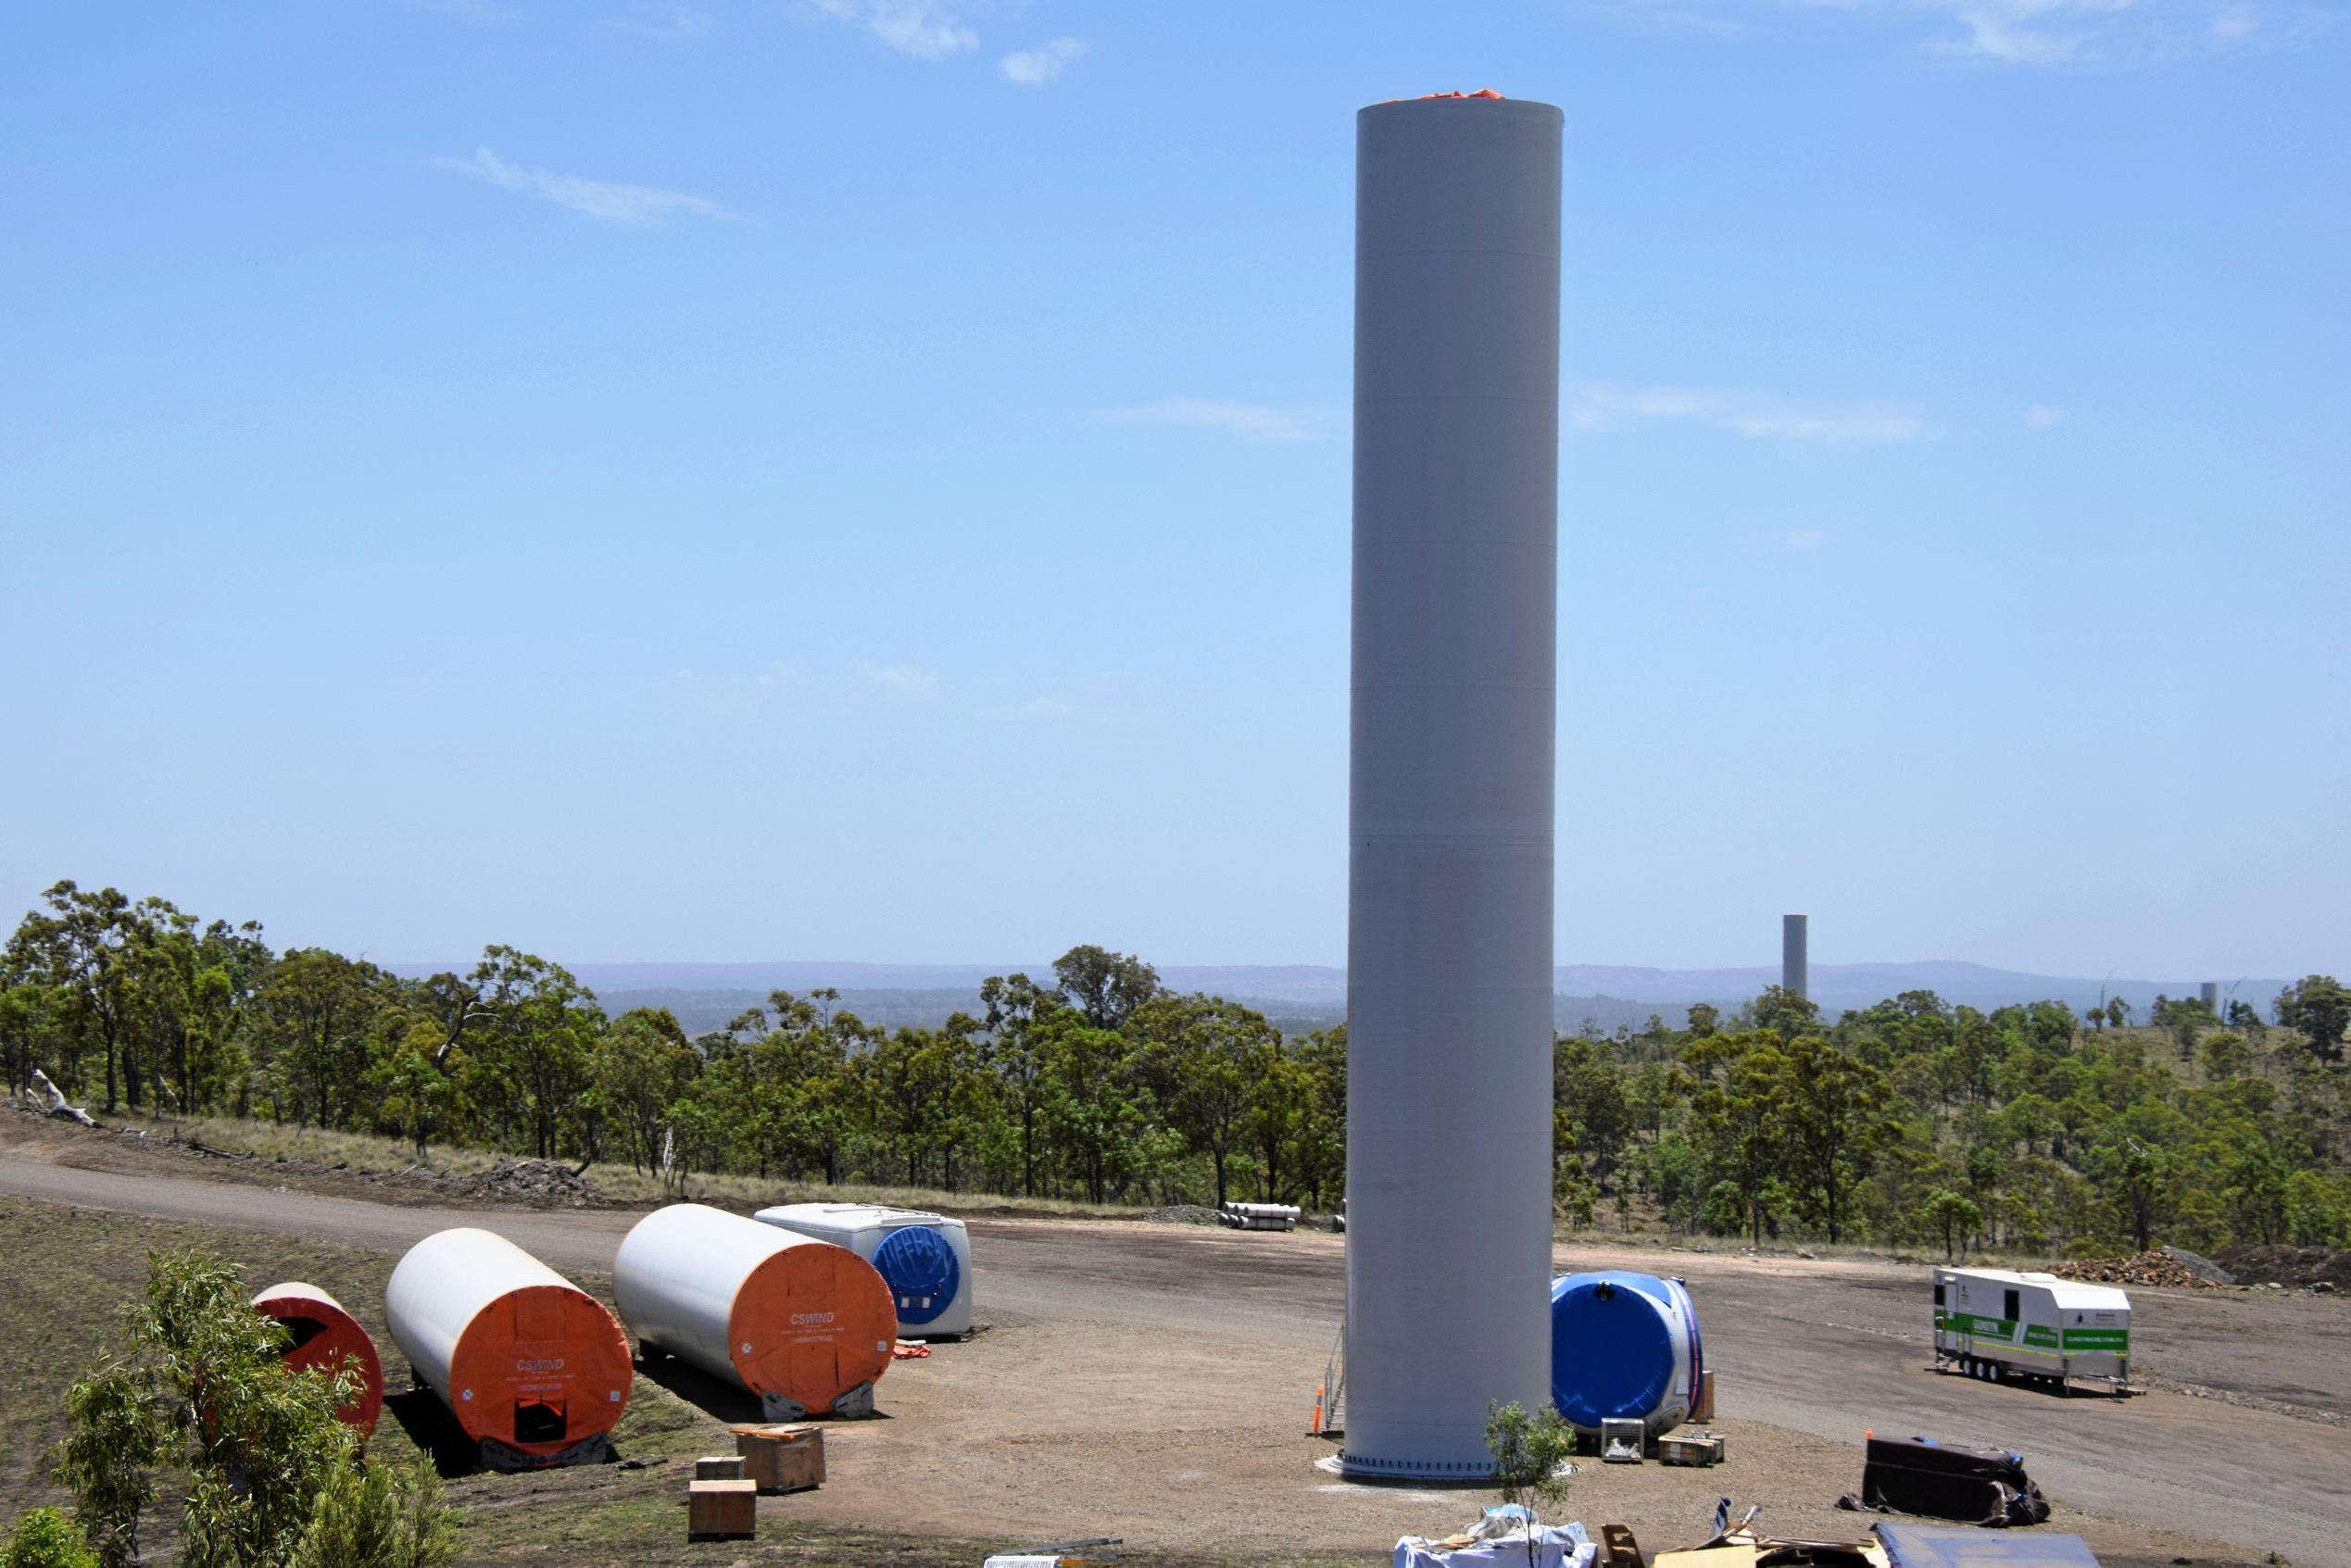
1449 952
1795 959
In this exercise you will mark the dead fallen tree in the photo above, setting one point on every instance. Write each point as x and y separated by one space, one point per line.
49 1101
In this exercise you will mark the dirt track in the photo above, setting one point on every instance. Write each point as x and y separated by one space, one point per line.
1155 1382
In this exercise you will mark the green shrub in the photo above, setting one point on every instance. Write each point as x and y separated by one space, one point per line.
1529 1452
274 1477
45 1539
374 1516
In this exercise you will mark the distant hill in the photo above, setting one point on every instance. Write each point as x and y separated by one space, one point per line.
1303 996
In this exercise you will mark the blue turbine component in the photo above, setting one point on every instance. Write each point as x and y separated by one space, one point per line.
920 1268
1612 1342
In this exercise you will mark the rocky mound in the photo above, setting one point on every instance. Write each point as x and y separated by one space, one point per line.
2307 1266
546 1183
1180 1214
2197 1263
2156 1270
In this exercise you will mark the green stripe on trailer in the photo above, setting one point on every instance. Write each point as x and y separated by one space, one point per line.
2002 1332
2003 1329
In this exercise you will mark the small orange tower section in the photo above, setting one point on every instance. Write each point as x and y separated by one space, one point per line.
328 1337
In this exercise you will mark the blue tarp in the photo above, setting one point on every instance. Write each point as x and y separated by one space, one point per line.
1962 1546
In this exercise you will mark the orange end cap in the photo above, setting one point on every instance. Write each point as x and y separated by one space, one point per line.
812 1322
328 1337
550 1345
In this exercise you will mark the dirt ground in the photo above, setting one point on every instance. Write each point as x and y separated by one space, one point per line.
1155 1382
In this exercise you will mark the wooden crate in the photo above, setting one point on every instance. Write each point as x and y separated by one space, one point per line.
722 1511
782 1459
719 1467
1689 1447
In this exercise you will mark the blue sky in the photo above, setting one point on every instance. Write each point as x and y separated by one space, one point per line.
868 478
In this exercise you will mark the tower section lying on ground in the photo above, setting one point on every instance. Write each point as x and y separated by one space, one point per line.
924 1259
534 1369
804 1325
1450 783
326 1336
1623 1347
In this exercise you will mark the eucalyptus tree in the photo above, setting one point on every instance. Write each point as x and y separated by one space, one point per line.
82 949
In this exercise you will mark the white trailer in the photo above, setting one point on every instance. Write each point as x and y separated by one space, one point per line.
2002 1326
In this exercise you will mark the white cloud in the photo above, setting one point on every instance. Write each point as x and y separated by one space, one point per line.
1595 408
2041 416
1254 422
674 26
2044 34
731 694
926 30
1034 67
1665 16
2027 33
907 682
598 198
479 12
1036 710
2235 24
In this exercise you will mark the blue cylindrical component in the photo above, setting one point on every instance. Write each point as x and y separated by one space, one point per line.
1623 1347
921 1270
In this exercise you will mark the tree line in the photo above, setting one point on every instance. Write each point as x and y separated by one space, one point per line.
1917 1123
1910 1122
1097 1084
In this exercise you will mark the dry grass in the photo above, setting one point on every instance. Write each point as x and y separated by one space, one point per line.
625 1184
274 1140
66 1274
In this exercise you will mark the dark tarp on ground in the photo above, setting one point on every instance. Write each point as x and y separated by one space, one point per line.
1945 1481
1947 1546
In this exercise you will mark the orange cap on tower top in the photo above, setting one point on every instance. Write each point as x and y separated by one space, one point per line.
1481 92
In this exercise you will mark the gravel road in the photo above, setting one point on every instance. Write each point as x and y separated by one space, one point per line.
1154 1382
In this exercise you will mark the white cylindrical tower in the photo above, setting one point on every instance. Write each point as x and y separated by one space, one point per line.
1449 948
1795 961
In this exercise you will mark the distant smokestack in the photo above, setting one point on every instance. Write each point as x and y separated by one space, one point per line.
1450 778
2210 992
1795 968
